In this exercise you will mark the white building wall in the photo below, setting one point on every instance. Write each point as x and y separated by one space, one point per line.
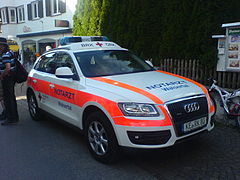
42 24
25 33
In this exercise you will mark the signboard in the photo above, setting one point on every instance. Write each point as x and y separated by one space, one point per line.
61 23
221 46
233 55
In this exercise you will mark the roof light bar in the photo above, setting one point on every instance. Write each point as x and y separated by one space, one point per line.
75 39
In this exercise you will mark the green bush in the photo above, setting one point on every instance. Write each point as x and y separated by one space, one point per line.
158 29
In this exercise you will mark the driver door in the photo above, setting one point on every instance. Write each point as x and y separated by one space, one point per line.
64 91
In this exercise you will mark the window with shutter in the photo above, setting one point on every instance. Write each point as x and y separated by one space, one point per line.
12 15
40 8
20 13
29 8
35 10
55 7
62 6
7 15
48 7
4 15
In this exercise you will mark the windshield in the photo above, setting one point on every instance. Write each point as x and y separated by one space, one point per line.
110 62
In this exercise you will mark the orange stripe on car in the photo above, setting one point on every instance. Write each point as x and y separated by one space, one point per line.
80 98
210 105
155 99
131 88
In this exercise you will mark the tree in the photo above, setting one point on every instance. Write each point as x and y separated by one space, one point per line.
158 29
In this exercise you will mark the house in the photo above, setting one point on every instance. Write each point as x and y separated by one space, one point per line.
36 24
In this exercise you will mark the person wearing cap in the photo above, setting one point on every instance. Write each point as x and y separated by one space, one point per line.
8 83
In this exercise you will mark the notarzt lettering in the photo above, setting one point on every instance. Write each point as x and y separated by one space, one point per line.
161 85
64 93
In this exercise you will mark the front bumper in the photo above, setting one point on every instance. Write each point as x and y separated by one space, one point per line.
153 137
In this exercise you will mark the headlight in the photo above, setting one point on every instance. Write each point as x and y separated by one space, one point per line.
138 109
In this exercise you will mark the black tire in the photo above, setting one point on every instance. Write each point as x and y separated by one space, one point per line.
100 138
34 111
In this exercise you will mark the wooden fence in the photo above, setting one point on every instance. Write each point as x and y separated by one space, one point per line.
192 70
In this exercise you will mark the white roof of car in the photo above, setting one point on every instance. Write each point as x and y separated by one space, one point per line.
93 45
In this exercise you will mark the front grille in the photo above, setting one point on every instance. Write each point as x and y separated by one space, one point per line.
180 116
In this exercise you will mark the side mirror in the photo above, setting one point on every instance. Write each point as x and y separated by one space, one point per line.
64 72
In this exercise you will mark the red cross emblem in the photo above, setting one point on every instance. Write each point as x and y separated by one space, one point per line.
99 44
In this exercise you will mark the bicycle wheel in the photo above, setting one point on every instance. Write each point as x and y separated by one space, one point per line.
234 110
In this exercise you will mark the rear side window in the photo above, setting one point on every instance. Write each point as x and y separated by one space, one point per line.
47 63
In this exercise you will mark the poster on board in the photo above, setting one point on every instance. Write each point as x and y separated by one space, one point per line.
233 56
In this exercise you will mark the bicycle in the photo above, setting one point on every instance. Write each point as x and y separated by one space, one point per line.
230 101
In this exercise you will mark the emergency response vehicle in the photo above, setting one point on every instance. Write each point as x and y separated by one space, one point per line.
116 98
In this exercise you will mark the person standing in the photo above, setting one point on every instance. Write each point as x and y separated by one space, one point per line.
8 83
3 114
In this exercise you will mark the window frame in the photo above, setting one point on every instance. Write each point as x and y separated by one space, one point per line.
57 7
10 15
4 14
74 69
43 58
21 13
33 5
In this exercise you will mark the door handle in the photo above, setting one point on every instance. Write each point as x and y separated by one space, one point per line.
51 86
34 81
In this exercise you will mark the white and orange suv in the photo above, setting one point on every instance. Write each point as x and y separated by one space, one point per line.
116 98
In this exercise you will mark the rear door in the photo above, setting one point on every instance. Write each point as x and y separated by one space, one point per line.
42 78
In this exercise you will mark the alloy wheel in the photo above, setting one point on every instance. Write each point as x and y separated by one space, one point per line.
97 138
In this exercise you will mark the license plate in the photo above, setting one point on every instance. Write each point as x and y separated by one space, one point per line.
189 126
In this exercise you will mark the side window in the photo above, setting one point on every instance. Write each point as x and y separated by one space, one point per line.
65 60
47 63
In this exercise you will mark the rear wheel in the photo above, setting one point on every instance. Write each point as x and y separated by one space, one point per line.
101 139
33 106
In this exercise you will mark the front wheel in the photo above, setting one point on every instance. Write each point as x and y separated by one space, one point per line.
101 139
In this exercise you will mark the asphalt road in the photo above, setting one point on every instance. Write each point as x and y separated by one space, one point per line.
50 150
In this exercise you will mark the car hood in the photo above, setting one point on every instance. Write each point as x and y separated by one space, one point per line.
153 85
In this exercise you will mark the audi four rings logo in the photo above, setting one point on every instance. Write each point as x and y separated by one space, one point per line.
192 107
